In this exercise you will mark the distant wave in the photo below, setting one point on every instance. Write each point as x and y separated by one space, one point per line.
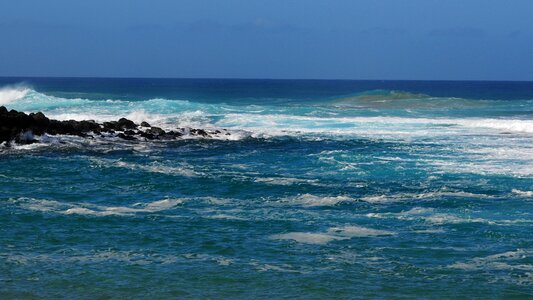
377 95
392 99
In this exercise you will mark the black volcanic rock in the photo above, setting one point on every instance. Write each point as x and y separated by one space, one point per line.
199 132
110 126
124 123
21 128
156 131
126 137
147 136
39 123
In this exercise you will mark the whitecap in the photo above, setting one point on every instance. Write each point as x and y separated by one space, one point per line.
511 260
385 198
358 231
430 216
332 234
270 267
12 93
154 167
226 217
308 237
523 193
90 209
312 200
285 180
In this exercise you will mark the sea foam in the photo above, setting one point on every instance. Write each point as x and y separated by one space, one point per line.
332 234
89 209
9 94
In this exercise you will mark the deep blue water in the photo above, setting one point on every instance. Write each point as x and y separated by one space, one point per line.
324 189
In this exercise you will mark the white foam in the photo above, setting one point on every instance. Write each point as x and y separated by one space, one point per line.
502 261
10 94
430 216
332 234
286 180
163 204
270 267
523 193
379 199
282 124
139 116
226 217
308 237
387 198
312 200
358 231
153 167
96 210
443 218
72 255
488 166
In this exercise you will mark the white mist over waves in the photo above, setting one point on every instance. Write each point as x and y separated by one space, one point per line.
11 93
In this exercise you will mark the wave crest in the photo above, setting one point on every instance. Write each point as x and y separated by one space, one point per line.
11 93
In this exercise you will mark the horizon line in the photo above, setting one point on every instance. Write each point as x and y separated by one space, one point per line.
266 79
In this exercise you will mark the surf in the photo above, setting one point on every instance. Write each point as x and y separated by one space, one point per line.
275 120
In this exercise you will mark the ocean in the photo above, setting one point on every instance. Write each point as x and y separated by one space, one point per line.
324 189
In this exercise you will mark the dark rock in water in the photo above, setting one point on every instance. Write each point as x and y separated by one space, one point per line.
199 132
155 131
108 126
69 127
21 128
147 136
124 123
126 137
119 125
87 126
174 134
40 123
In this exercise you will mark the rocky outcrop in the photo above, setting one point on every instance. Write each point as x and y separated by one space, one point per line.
22 128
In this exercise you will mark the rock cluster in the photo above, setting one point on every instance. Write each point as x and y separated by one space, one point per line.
21 128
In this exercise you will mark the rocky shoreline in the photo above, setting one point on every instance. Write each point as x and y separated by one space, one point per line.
21 128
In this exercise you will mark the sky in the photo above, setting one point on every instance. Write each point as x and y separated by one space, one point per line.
301 39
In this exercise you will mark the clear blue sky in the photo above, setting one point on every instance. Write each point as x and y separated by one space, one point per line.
352 39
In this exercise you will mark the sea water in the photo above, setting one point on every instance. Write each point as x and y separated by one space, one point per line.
323 189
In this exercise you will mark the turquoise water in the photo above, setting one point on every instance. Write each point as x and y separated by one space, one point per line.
324 189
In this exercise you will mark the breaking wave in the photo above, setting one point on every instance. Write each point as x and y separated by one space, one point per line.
268 121
10 94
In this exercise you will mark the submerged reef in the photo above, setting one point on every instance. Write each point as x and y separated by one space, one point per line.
21 128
